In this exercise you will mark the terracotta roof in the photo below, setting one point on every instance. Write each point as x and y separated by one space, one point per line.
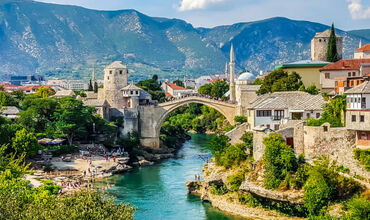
347 64
294 100
364 88
168 94
175 87
364 48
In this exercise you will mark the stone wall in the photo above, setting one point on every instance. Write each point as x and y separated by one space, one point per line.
336 143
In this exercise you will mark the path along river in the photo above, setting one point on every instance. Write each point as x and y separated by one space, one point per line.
159 191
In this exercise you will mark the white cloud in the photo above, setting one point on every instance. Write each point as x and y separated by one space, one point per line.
188 5
358 10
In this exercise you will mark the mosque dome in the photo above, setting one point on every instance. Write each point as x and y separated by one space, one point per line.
246 76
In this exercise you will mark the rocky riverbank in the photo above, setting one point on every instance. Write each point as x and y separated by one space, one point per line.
230 201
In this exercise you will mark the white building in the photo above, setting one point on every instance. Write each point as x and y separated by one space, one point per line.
358 113
70 84
175 90
272 110
362 52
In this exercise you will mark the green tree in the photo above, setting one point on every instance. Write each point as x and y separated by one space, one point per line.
279 80
90 88
96 87
312 89
25 142
153 88
179 83
45 92
240 119
333 113
279 160
2 98
332 53
216 89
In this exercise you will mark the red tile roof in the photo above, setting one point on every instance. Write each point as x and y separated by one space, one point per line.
364 48
350 64
175 87
168 94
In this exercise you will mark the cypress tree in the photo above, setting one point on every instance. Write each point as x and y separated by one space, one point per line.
95 87
332 54
90 86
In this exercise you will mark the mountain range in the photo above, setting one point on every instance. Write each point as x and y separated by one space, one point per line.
69 41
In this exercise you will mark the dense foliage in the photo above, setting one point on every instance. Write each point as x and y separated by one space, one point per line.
229 155
18 200
332 53
153 87
240 119
279 160
333 113
216 89
363 156
324 185
279 80
312 89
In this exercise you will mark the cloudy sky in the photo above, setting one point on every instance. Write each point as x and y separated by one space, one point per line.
346 14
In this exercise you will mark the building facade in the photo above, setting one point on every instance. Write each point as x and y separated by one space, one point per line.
358 113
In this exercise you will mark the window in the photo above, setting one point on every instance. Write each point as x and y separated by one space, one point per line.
349 73
137 92
353 118
363 136
120 72
132 92
319 40
108 77
318 115
327 75
308 115
278 114
276 127
263 113
353 73
110 71
362 118
268 126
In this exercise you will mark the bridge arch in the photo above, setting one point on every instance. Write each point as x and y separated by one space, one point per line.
155 118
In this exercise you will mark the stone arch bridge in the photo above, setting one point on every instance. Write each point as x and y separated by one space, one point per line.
152 117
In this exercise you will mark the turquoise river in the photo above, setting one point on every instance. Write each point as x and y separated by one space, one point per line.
159 191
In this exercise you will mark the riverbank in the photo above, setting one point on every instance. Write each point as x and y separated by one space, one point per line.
230 202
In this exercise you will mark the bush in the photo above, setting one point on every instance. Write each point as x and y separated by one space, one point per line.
240 119
247 138
279 160
317 193
358 208
232 156
235 180
219 190
363 156
248 199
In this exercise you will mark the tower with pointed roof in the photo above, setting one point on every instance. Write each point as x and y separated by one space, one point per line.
232 72
226 71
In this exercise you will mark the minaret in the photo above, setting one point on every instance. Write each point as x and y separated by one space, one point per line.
226 71
93 80
232 72
360 44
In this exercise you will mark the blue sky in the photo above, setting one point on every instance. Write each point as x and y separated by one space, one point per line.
346 14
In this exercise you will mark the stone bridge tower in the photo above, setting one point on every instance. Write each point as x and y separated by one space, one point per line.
115 79
319 46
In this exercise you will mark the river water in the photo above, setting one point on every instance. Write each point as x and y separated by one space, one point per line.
159 191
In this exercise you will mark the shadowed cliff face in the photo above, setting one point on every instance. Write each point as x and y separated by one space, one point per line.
66 41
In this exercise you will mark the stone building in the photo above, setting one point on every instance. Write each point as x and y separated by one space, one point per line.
319 46
273 110
358 113
245 91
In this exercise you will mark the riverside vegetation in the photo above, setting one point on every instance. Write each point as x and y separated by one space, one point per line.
321 182
48 117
